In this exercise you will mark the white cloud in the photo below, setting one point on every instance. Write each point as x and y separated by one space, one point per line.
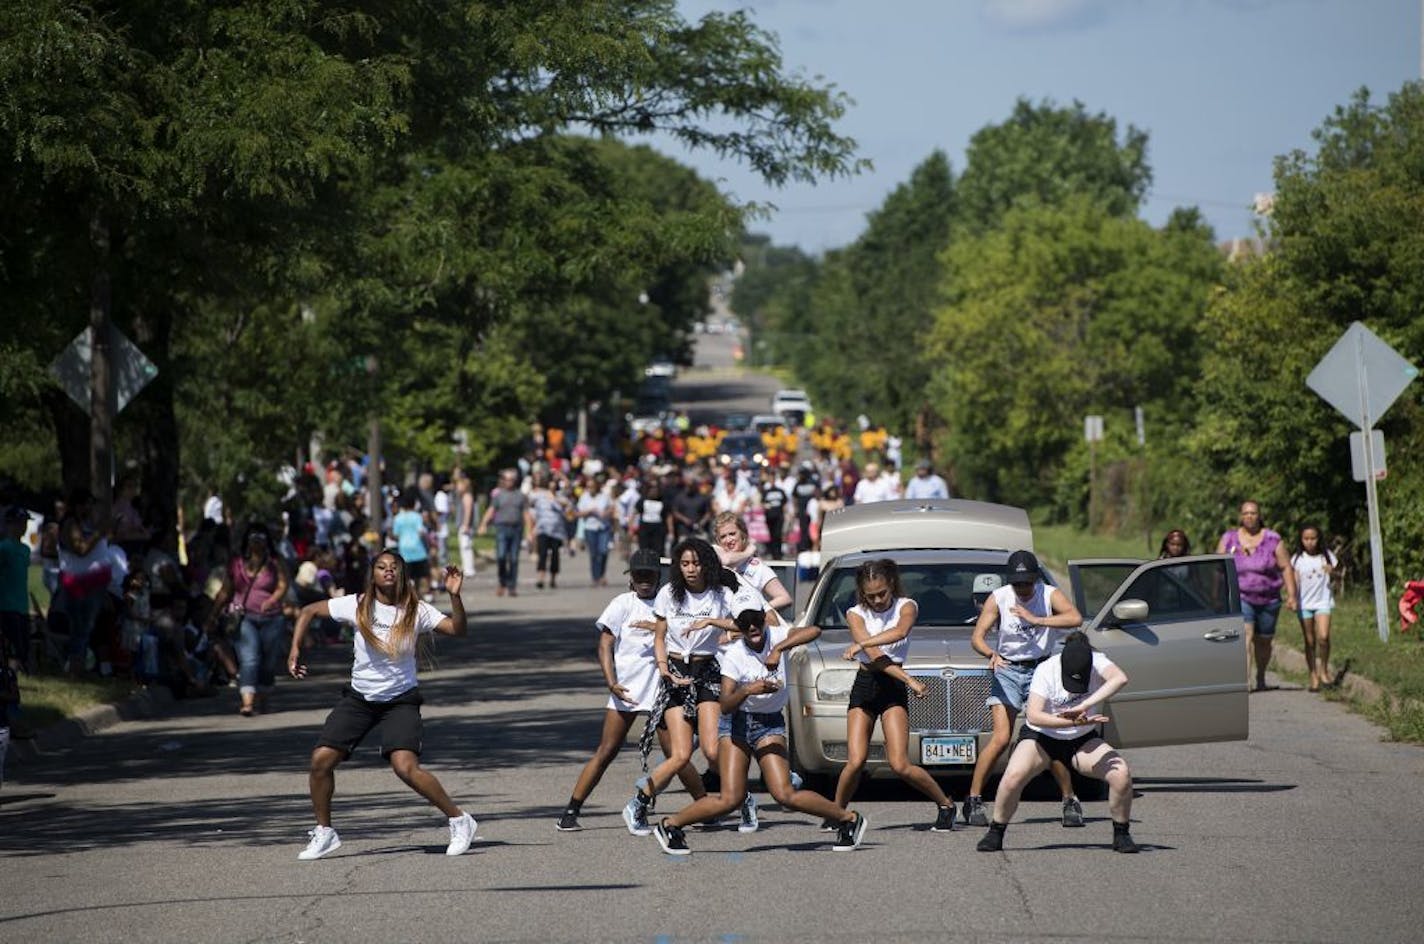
1035 16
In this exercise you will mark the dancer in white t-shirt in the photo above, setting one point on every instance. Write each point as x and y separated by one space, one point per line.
389 618
753 699
625 653
686 642
1061 723
880 624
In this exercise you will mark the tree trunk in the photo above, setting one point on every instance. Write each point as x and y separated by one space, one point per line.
101 377
71 436
159 448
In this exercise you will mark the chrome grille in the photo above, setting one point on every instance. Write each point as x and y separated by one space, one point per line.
955 704
836 750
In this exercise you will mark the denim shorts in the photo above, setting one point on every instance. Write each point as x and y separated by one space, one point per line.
1010 687
751 727
1262 617
1311 614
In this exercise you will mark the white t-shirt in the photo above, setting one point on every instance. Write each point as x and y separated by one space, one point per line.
1314 582
682 641
877 490
634 662
374 675
757 573
1020 639
877 623
1048 682
743 665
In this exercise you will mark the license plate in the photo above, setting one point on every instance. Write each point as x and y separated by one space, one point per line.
963 749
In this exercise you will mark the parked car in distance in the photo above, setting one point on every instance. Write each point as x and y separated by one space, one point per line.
792 404
735 422
765 421
661 367
1174 626
736 448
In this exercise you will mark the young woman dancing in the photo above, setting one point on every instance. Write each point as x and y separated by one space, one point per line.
389 617
880 624
753 698
625 652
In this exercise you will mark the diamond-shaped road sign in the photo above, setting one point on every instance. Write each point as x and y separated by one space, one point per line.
131 370
1361 376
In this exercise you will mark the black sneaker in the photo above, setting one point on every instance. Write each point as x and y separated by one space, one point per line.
944 822
672 839
1072 812
974 812
1122 842
568 823
993 841
851 834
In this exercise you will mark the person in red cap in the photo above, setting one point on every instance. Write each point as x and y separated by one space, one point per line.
1065 705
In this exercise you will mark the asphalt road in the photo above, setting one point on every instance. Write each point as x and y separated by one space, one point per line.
187 828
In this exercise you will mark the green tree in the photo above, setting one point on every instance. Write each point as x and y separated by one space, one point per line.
1344 239
1045 154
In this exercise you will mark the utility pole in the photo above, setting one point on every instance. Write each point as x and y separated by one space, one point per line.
375 507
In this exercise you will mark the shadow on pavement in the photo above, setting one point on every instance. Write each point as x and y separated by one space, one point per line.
1206 785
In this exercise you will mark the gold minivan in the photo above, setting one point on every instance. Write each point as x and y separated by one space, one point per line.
1174 626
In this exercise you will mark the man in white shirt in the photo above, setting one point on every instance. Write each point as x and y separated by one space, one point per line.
925 483
873 487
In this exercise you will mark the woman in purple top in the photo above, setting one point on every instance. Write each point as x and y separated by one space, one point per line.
1262 568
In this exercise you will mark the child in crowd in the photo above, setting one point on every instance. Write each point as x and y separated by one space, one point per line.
9 701
1314 565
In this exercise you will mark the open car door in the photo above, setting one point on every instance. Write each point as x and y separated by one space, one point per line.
1184 651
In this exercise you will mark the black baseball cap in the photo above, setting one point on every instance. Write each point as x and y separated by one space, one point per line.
644 559
1023 568
1077 663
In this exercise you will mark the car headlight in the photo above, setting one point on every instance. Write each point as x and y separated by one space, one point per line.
835 684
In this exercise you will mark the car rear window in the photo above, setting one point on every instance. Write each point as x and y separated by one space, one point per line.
944 593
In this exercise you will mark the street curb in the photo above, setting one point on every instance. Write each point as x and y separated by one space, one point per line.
1355 686
65 734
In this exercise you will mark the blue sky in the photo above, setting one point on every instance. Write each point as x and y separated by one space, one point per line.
1221 87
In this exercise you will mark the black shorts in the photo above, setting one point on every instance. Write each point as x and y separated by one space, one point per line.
354 717
418 570
706 683
876 692
1059 749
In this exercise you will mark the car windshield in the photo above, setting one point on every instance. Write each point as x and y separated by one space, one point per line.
943 591
743 444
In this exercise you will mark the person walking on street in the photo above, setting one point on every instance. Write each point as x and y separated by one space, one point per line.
383 693
465 524
548 520
254 585
1031 616
1262 569
596 511
507 512
1314 564
925 483
1062 725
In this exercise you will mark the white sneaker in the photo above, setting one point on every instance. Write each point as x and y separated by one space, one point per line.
749 815
462 833
324 841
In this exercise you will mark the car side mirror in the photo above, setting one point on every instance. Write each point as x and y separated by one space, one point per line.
1129 611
